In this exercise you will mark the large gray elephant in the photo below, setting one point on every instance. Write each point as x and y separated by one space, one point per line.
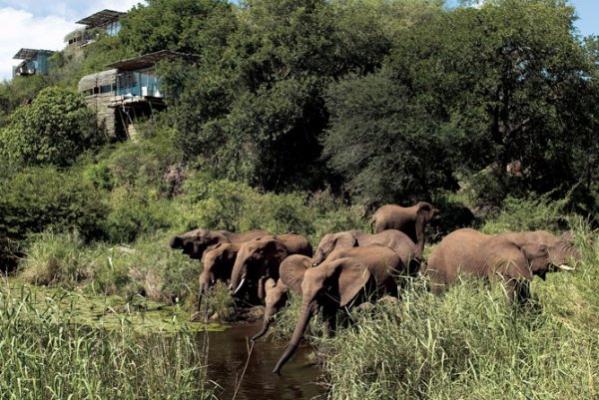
514 257
195 242
291 273
399 242
259 259
410 220
338 282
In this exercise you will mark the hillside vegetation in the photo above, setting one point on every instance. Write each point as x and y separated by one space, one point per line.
304 116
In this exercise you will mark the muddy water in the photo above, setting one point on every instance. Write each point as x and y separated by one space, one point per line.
227 356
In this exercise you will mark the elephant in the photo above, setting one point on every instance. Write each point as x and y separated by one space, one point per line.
259 259
338 282
217 264
291 273
410 220
398 241
194 243
513 257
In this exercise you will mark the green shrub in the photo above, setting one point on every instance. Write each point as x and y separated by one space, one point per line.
41 198
56 259
527 214
54 129
137 213
143 164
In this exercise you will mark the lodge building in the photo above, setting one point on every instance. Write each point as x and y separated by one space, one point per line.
34 62
127 91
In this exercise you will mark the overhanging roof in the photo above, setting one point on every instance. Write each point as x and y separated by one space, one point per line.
101 18
29 54
149 60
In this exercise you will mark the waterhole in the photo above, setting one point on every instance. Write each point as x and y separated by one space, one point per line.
228 353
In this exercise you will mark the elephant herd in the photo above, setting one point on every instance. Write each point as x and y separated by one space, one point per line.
352 267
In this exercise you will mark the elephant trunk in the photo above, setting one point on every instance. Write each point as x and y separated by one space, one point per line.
307 311
268 313
201 291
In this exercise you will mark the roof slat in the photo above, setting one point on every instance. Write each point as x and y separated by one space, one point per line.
29 54
149 60
101 18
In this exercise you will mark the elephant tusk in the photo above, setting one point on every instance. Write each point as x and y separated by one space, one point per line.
565 267
239 286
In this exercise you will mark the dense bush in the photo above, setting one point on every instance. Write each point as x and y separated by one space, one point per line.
41 198
54 129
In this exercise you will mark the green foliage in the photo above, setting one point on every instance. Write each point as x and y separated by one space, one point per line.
221 204
469 344
137 213
54 129
47 356
258 116
189 26
18 91
37 199
384 142
56 258
533 213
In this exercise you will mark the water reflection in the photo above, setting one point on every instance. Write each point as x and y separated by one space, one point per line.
228 354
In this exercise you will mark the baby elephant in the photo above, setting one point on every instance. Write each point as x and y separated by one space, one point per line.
291 273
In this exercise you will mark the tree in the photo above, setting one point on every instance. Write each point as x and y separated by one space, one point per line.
54 129
257 114
506 82
384 142
190 26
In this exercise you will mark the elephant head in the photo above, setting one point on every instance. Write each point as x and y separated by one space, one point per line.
257 260
339 280
291 273
529 259
195 242
425 212
333 241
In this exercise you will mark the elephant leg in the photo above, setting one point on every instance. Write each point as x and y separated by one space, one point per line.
329 313
523 291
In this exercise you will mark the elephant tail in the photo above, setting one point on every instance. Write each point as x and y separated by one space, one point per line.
306 314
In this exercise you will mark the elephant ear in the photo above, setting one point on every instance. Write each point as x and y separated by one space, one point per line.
537 256
353 277
292 274
346 240
511 262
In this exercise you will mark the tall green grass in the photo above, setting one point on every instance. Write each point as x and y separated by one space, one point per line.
46 356
470 344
